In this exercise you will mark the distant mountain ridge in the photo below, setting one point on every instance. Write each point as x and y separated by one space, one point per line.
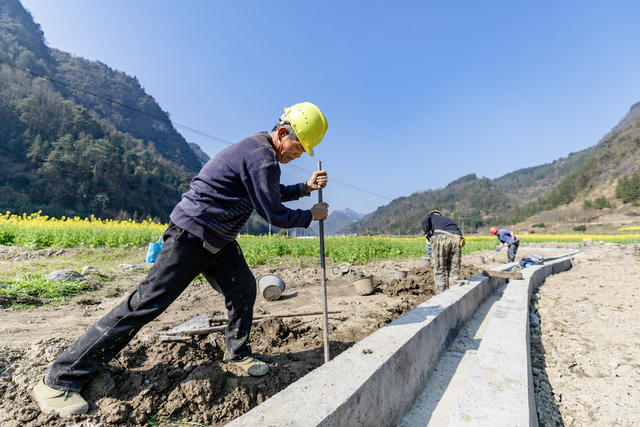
476 202
68 152
337 221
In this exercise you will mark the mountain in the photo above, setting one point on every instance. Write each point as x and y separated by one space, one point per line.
79 138
200 155
337 221
611 168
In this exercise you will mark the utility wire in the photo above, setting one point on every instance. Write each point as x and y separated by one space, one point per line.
166 120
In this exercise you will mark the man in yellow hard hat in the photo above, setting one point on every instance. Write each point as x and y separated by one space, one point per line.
201 239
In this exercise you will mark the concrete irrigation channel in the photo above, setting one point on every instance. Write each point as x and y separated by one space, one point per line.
460 358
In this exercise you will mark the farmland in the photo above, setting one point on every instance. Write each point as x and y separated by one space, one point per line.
40 231
152 382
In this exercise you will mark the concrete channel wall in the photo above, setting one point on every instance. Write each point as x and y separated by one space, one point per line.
499 390
375 381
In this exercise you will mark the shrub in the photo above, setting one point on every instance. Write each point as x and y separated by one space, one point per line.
538 225
580 228
7 237
601 203
628 188
587 204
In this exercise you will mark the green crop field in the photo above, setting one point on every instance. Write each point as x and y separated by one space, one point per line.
106 244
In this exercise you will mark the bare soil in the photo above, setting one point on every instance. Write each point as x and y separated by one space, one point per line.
586 350
585 354
152 381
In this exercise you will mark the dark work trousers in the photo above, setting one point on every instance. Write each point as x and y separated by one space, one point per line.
180 260
511 252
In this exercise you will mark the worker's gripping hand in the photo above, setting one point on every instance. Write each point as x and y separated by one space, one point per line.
317 180
319 211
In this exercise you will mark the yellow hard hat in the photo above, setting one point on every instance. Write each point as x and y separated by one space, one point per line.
309 124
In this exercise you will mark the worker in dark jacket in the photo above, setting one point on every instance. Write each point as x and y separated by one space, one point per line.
201 238
446 242
506 237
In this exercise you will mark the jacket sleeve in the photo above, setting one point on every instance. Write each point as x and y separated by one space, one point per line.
427 226
293 192
262 183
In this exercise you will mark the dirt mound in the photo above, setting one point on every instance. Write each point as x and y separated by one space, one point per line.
170 381
419 281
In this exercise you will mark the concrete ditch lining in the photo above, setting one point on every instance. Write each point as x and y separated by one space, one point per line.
376 380
499 390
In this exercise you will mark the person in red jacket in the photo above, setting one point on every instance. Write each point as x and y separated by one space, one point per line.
506 237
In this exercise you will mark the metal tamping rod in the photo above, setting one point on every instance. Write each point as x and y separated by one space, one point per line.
325 315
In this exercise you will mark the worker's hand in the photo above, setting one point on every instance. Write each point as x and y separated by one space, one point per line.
317 180
319 211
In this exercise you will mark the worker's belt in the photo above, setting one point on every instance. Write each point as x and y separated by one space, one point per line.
461 241
446 232
210 247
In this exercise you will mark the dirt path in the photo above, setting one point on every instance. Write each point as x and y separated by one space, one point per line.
586 359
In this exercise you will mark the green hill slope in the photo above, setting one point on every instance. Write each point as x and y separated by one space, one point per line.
475 202
70 153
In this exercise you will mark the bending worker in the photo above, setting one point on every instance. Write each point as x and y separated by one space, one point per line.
201 238
446 242
506 237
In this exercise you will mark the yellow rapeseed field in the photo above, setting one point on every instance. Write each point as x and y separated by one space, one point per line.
44 231
38 230
630 228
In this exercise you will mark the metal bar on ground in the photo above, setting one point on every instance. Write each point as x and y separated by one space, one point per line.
325 316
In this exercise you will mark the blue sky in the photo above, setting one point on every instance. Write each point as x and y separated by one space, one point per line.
416 93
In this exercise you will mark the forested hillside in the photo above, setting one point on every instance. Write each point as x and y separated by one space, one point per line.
475 202
68 152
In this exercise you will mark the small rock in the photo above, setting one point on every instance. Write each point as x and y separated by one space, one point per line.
88 269
534 320
613 363
345 267
580 350
132 267
64 275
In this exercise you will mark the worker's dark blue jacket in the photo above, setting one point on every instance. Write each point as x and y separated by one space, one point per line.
434 222
237 180
504 236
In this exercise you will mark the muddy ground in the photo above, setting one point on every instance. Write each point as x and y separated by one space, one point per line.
152 381
585 347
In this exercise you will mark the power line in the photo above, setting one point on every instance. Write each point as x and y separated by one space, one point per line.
166 120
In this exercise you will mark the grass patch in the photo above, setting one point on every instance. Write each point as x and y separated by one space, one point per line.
33 287
260 250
